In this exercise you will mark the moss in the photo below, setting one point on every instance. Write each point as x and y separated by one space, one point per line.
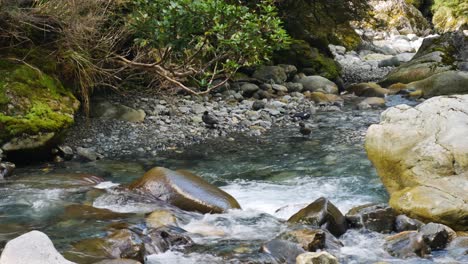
346 36
32 102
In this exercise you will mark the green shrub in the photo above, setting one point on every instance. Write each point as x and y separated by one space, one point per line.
204 38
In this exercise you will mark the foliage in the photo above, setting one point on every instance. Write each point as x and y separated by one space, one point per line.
204 38
450 15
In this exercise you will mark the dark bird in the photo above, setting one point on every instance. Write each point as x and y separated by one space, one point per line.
305 130
301 116
209 120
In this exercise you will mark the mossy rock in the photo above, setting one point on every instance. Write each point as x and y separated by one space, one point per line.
450 16
32 104
302 55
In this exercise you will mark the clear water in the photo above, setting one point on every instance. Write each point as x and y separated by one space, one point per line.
272 177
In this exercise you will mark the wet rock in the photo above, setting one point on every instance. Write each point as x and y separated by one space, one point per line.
85 212
31 248
321 99
404 223
283 251
429 182
317 84
309 239
406 245
374 217
160 218
6 169
316 258
88 154
437 236
120 244
108 110
184 190
458 248
162 239
322 213
271 74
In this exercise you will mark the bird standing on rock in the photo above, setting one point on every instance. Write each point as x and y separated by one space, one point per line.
305 130
209 120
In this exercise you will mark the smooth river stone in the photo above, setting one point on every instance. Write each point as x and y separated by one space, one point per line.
185 190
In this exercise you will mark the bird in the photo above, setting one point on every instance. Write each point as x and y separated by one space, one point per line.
305 130
209 120
301 116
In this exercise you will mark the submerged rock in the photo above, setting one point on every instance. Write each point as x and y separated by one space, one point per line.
283 251
322 213
375 217
31 248
420 155
406 245
184 190
316 258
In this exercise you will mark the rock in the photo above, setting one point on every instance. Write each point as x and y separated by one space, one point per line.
404 223
390 62
324 99
444 83
184 190
258 104
160 218
88 154
367 90
316 258
248 89
31 248
374 217
35 111
404 57
87 212
108 110
163 239
294 87
290 70
447 18
279 88
318 84
309 239
458 248
372 102
397 88
406 244
66 152
271 74
400 15
437 236
283 251
118 261
321 213
6 169
436 54
429 182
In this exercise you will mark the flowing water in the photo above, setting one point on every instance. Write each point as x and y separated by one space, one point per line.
272 177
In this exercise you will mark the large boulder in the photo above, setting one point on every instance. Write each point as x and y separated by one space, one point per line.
400 15
322 213
35 109
444 83
421 156
185 190
436 54
317 84
32 248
